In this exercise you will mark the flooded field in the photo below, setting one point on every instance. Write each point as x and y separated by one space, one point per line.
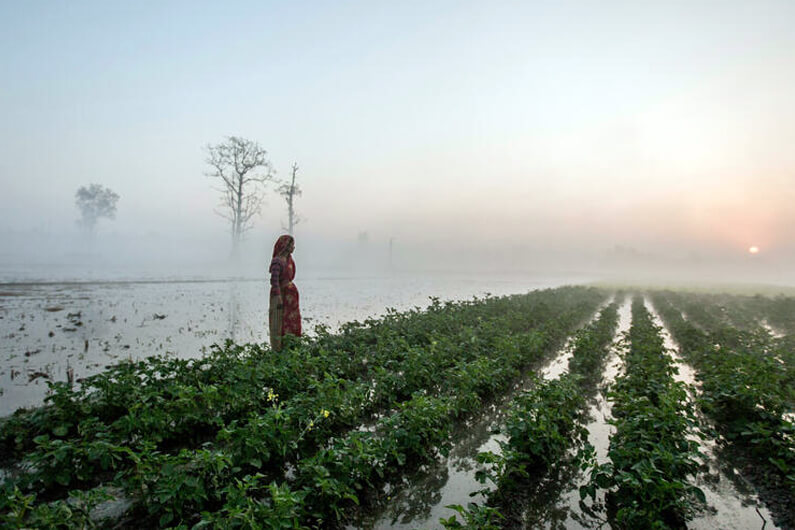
732 504
54 331
428 495
531 407
452 480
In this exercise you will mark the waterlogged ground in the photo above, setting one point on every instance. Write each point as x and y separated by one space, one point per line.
52 331
732 503
423 499
57 331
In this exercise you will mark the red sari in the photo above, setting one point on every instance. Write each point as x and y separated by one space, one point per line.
286 318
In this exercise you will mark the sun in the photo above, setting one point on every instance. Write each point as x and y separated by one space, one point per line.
753 250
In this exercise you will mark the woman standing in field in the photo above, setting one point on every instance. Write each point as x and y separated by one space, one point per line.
284 314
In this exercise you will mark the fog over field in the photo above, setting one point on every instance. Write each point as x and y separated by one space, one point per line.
544 264
615 139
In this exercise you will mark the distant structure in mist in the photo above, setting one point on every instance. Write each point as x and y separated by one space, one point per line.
242 167
95 202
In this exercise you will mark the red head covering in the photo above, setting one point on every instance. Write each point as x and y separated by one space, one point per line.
281 244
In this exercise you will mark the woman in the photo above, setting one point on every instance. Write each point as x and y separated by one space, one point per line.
284 314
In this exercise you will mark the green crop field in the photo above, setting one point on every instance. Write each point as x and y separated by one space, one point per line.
331 427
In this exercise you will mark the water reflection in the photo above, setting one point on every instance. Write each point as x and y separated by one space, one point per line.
415 503
579 514
538 502
731 501
421 500
233 320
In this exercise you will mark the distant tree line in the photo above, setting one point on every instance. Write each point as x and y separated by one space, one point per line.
242 170
94 202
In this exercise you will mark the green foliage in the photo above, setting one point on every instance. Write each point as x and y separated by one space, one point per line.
651 454
746 379
590 344
244 434
542 426
18 510
251 503
475 517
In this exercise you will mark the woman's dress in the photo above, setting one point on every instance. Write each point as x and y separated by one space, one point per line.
286 319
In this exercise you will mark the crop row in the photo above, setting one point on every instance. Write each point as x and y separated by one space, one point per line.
740 313
186 435
651 453
745 390
777 353
193 395
171 402
329 483
714 311
778 311
544 429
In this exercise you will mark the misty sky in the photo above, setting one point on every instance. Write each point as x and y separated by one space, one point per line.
454 126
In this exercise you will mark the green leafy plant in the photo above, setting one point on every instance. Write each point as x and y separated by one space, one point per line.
652 457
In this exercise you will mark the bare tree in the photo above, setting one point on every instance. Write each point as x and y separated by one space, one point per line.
243 168
291 190
94 202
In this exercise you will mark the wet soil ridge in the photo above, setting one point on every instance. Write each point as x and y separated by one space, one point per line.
244 434
652 455
748 391
546 439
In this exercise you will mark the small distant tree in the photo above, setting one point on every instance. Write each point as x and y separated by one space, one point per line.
289 191
242 167
94 202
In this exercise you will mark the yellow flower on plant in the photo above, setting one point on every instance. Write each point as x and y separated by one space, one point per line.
325 413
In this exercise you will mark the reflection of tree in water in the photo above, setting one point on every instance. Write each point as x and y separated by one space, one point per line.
470 437
233 312
422 491
749 477
538 501
415 502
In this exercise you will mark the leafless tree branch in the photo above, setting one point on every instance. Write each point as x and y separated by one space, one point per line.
289 191
241 167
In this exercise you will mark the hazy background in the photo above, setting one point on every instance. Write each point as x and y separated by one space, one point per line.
502 136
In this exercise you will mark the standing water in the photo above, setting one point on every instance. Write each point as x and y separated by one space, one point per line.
731 502
566 511
54 331
560 363
451 480
772 331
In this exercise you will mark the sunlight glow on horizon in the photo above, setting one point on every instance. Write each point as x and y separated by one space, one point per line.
447 125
